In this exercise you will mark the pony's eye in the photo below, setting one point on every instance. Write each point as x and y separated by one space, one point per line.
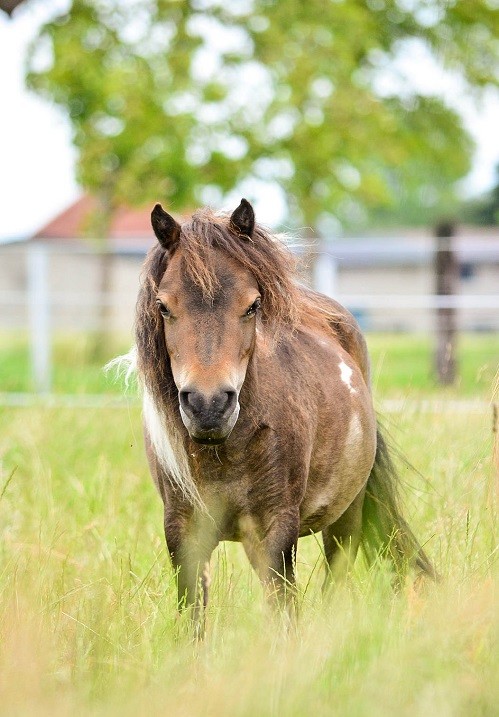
164 310
254 307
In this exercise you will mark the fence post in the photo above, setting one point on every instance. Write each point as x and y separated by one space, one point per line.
325 274
446 279
39 317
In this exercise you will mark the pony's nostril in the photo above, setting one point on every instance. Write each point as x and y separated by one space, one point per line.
188 401
223 403
230 402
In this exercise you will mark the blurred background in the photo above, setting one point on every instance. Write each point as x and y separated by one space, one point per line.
367 130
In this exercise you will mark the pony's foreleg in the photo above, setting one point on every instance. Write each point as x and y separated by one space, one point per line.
190 551
341 542
271 550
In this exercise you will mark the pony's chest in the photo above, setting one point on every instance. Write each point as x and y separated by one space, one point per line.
227 502
250 484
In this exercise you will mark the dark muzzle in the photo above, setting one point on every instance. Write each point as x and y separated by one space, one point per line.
208 418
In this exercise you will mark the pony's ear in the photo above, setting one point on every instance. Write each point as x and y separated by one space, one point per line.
243 218
165 227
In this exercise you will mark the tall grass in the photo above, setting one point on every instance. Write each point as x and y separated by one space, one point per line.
87 596
87 606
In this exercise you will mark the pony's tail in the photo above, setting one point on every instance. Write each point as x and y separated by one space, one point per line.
385 532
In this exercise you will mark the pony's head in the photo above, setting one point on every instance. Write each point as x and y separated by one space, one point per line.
209 329
209 284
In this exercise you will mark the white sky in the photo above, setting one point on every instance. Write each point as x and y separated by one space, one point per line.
37 160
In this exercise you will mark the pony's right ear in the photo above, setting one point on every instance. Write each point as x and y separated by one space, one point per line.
165 227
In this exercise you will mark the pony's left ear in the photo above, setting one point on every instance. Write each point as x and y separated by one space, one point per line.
243 218
165 227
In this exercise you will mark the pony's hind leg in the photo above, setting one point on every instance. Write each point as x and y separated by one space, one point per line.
341 542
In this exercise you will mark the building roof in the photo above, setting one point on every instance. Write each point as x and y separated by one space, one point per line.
129 230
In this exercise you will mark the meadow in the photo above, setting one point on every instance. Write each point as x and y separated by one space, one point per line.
87 597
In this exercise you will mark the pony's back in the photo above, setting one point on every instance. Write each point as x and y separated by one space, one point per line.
320 312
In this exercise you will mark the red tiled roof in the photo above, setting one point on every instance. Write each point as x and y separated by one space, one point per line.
72 223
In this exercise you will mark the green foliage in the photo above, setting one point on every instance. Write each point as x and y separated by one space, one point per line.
181 101
484 209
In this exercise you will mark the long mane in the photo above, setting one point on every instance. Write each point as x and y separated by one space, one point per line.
286 306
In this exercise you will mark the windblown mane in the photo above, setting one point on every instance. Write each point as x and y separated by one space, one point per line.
285 307
270 262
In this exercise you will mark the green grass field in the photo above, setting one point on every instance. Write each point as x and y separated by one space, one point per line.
402 365
87 599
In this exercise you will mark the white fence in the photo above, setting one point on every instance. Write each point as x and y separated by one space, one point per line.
387 284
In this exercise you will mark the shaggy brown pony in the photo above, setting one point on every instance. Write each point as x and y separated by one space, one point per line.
258 417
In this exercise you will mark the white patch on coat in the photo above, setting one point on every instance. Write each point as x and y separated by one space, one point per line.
354 437
346 376
345 469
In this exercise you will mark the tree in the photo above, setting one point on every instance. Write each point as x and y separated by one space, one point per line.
484 209
183 100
